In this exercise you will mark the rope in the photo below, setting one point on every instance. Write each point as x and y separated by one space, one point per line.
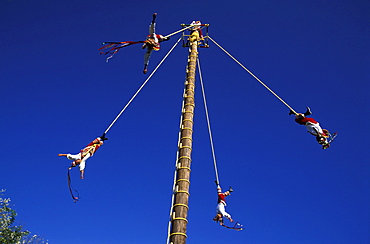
142 86
254 76
208 121
237 226
174 33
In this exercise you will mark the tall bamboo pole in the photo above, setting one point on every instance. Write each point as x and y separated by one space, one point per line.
181 192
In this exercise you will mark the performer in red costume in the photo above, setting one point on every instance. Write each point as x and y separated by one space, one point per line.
313 127
221 212
80 158
152 43
197 24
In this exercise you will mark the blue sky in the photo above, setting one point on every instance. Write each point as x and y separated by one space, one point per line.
58 94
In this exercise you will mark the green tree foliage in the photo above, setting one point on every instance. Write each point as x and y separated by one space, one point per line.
10 233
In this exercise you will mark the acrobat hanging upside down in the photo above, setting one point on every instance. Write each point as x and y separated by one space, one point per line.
221 212
314 128
151 43
221 203
80 158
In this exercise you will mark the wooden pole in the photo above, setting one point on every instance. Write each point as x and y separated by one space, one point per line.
181 192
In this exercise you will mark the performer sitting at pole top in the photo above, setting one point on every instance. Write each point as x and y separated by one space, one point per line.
197 27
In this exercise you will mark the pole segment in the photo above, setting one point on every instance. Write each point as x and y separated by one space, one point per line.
181 191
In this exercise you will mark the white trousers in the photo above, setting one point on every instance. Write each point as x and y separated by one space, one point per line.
221 210
313 128
74 157
153 36
152 32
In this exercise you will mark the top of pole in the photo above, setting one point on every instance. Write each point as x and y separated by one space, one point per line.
195 26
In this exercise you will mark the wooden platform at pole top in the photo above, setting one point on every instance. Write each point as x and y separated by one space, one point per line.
202 43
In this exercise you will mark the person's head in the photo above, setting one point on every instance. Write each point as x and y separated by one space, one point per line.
196 24
227 193
219 217
320 139
76 162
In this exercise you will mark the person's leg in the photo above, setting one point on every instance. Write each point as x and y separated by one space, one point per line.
313 128
152 25
74 157
146 59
